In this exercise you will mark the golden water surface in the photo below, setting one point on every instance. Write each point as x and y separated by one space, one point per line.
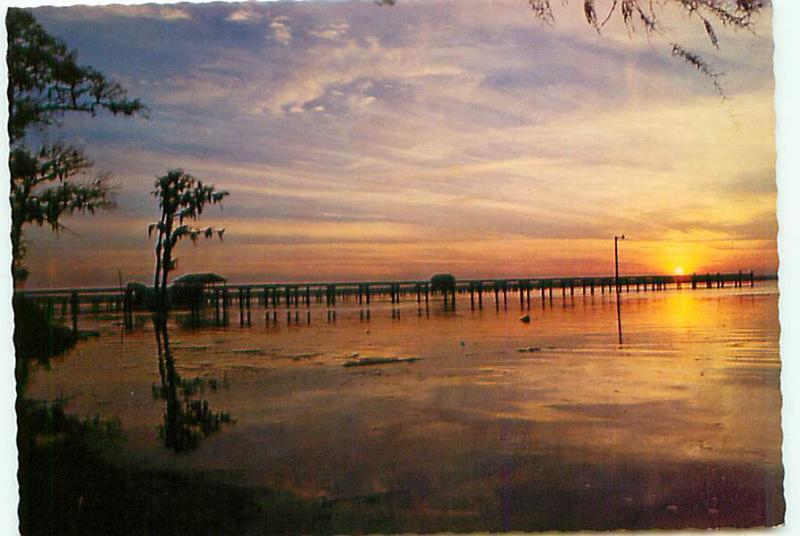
500 425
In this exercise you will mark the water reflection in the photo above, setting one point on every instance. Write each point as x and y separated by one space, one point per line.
499 425
187 417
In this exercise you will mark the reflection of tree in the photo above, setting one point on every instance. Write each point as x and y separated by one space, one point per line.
187 419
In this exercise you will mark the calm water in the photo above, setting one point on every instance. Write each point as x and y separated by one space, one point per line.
678 426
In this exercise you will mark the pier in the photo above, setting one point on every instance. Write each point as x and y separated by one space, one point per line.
293 297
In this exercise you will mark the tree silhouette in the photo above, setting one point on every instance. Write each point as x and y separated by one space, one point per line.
646 15
45 80
41 192
181 198
732 13
44 83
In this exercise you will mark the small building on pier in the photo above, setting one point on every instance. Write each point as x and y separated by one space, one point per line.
187 290
443 283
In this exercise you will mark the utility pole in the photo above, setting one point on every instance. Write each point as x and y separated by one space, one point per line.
616 283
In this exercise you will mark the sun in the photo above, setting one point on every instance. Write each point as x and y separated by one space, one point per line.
679 270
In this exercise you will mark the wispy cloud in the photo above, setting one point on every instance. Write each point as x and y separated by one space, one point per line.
247 13
144 11
281 31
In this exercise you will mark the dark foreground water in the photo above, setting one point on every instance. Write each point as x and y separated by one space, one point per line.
500 425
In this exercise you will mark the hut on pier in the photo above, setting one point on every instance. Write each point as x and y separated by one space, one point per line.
443 283
187 290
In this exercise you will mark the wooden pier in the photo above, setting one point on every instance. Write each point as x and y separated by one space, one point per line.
292 297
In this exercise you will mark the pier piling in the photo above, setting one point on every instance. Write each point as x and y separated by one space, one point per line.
74 309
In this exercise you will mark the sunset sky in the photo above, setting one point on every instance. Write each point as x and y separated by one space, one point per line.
360 141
